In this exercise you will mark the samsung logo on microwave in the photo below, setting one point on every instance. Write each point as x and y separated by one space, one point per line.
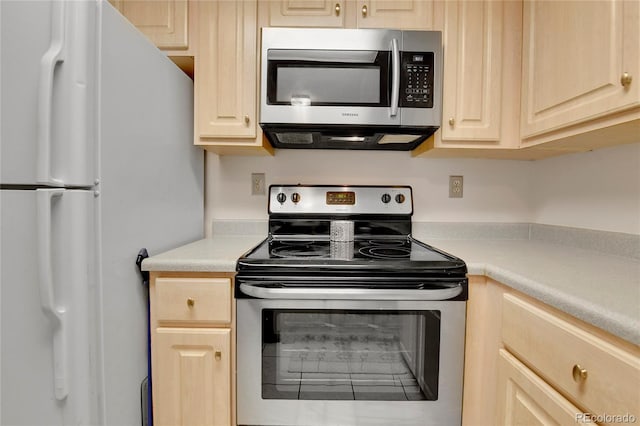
350 114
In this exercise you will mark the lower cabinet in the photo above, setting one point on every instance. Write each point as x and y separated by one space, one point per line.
193 349
192 385
527 363
587 366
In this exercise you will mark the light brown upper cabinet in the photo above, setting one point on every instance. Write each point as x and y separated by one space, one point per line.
581 70
481 76
169 24
405 14
402 14
474 58
306 13
165 22
226 84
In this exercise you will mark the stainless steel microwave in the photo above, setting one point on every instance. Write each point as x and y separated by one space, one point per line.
350 88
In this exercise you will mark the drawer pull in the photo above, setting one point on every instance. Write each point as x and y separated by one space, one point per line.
191 302
579 373
218 355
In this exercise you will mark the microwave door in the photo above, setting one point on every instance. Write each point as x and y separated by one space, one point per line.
341 79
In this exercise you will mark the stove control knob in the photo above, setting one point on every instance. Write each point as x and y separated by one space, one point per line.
281 197
386 198
400 198
295 197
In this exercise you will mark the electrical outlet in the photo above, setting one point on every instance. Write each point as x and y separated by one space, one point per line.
258 184
455 186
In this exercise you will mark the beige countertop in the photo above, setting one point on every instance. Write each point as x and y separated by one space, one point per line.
599 288
603 290
207 255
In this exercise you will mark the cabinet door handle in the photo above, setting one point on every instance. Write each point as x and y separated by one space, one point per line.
579 374
452 122
626 79
190 302
218 355
365 10
337 9
247 120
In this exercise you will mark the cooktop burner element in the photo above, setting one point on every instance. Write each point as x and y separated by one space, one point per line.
386 252
302 250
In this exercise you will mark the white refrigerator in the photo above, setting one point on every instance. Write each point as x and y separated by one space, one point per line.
97 161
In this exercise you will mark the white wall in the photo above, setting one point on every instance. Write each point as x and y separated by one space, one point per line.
597 190
494 190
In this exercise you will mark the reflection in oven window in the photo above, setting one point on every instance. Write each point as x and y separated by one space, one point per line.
350 355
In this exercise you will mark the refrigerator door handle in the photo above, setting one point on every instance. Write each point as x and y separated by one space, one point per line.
48 63
56 314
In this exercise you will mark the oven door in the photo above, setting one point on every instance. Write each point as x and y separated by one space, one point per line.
349 362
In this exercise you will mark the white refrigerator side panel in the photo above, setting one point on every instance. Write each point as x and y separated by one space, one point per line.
31 391
47 88
151 194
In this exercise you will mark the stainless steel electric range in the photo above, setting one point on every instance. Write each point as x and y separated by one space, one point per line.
343 318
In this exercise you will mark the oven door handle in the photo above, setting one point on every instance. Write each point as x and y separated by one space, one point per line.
349 293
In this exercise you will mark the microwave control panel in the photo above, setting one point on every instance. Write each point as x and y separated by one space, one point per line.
416 79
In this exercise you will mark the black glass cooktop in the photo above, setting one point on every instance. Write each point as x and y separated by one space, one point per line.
389 249
391 254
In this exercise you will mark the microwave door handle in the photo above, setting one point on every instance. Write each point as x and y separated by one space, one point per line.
395 77
349 293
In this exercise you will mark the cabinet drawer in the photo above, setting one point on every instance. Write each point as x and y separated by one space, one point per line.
554 348
206 300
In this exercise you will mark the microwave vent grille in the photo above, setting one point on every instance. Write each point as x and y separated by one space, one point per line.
295 138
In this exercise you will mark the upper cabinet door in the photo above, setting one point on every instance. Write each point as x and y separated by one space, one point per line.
581 62
226 73
306 13
397 14
165 22
402 14
473 39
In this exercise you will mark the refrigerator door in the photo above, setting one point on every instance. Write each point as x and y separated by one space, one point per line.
47 69
151 194
48 300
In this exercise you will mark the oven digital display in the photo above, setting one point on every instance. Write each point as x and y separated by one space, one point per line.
341 198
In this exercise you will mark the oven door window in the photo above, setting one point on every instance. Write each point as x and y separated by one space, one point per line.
350 355
328 78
